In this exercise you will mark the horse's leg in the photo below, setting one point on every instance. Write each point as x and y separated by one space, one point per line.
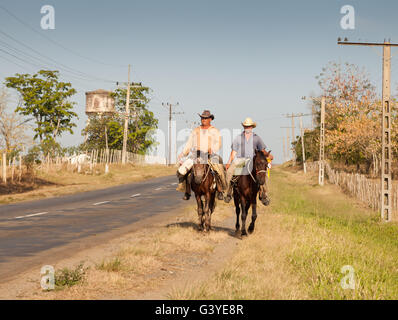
237 210
244 215
254 214
207 211
212 206
200 211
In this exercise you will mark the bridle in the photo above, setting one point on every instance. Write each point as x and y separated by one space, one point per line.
257 171
206 174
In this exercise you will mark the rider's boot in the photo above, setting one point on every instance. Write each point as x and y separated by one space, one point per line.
187 194
219 187
228 197
181 182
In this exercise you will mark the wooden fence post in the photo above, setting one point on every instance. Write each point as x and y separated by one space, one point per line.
4 163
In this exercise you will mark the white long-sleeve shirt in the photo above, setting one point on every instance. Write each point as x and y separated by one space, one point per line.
203 140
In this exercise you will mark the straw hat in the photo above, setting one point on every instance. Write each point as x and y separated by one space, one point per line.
249 123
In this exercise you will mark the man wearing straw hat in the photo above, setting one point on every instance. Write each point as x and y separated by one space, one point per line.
243 148
206 139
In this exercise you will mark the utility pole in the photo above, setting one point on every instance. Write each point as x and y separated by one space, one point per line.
386 158
284 149
288 146
302 144
292 116
293 138
287 141
170 107
126 114
126 121
321 175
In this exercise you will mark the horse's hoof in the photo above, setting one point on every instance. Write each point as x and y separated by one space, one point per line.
227 199
244 233
186 196
251 229
265 201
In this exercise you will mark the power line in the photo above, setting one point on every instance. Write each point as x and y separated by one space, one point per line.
71 70
55 42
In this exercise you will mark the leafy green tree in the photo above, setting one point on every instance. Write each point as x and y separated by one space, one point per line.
47 100
140 123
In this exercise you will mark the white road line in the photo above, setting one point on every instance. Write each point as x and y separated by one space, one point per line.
31 215
135 195
98 203
158 188
173 184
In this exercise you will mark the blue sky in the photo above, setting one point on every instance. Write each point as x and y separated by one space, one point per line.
237 58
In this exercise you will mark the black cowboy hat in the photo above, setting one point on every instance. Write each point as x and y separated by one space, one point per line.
206 114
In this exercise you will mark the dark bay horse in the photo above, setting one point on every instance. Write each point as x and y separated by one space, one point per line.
203 185
246 189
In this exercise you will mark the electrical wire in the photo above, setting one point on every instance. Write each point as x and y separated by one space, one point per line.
68 69
55 42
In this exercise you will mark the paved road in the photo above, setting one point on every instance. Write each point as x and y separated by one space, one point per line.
30 228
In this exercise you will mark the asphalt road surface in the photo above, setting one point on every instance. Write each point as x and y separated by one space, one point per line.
29 229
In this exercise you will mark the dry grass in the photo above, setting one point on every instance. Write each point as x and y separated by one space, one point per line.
62 182
145 260
258 270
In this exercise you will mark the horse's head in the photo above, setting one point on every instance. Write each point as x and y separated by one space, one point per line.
261 165
200 166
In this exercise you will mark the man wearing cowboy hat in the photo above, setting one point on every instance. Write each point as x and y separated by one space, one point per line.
243 148
207 139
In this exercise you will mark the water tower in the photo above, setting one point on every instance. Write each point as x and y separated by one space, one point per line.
99 102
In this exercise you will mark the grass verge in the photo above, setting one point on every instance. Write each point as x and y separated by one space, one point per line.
302 242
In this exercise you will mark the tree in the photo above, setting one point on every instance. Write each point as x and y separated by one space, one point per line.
46 99
12 127
140 123
352 119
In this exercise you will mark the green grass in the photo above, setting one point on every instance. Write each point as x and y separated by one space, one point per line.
342 234
69 277
302 241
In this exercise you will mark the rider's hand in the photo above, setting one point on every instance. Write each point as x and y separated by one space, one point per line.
227 166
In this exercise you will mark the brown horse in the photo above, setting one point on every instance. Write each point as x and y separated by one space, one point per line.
246 189
202 183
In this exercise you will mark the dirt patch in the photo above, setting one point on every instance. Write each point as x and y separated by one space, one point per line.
26 184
